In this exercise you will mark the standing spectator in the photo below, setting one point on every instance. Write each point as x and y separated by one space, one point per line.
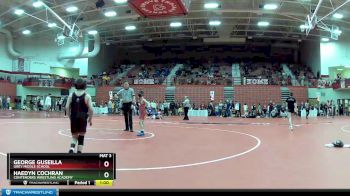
8 102
228 109
48 105
1 102
341 110
270 108
172 108
161 107
187 106
166 108
245 109
238 109
4 102
127 97
265 111
290 104
60 102
221 105
307 108
211 110
259 110
110 106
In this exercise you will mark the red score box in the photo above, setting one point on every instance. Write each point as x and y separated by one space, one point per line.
160 8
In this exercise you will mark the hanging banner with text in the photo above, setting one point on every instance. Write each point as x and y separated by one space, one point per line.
256 81
144 81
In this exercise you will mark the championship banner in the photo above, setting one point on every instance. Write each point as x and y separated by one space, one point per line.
257 81
110 95
20 64
160 8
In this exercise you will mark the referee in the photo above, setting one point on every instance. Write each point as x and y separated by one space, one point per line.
127 97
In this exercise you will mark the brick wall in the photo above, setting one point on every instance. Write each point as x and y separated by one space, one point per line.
7 89
152 92
199 94
250 94
300 93
255 94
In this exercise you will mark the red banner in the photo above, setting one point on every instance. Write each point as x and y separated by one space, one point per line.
160 8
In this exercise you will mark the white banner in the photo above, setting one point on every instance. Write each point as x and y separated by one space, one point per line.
212 95
257 81
144 81
110 95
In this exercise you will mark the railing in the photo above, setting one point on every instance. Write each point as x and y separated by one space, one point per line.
203 81
50 83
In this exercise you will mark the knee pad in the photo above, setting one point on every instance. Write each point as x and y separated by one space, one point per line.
81 140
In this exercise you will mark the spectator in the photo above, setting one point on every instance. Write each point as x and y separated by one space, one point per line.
238 109
8 102
245 109
110 106
220 107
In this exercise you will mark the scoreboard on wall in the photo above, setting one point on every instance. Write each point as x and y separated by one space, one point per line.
61 169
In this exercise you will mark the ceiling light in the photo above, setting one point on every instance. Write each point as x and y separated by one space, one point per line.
338 32
325 39
120 1
303 26
340 69
37 4
270 6
19 12
130 28
92 32
110 13
51 25
176 24
214 23
72 9
61 37
212 5
338 16
263 24
26 32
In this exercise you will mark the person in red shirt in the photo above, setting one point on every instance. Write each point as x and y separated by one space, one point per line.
143 104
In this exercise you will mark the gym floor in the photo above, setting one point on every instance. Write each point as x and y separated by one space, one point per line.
210 153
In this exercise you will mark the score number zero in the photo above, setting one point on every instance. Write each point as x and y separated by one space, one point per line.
106 163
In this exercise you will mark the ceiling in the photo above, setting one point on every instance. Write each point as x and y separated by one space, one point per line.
239 19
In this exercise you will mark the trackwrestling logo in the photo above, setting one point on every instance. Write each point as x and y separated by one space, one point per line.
32 192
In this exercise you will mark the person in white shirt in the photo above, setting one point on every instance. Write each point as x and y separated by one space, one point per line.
48 105
8 101
238 109
187 106
110 106
245 108
1 102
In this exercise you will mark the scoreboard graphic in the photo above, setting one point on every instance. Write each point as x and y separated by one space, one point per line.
61 169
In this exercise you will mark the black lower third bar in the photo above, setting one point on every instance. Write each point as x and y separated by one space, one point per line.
57 183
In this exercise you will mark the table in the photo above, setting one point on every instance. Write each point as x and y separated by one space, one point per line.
198 113
100 110
312 113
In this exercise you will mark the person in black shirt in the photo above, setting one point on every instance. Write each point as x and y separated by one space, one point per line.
290 106
79 109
